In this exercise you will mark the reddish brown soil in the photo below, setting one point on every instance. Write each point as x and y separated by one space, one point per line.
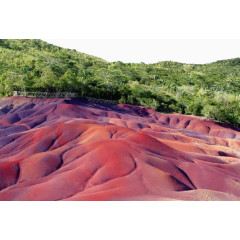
62 149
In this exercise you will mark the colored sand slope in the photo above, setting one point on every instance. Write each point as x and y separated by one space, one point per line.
63 149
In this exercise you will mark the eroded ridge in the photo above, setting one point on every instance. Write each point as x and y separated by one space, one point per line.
65 149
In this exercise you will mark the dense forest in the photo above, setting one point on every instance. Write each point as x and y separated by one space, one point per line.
209 90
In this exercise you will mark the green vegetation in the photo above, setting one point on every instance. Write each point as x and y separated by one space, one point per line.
209 90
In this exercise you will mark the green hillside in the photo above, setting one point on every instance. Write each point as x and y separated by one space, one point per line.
209 90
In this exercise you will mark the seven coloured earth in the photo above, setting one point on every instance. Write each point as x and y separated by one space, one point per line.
72 149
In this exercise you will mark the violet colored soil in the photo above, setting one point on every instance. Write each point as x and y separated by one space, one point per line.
62 149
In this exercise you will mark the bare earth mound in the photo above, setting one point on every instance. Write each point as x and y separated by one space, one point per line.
62 149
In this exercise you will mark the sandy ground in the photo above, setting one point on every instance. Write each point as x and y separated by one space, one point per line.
63 149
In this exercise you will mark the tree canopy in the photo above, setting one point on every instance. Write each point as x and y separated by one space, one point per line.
209 90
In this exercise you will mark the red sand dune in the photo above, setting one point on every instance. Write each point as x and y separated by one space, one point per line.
62 149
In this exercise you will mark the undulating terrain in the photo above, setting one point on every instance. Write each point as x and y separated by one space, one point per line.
69 149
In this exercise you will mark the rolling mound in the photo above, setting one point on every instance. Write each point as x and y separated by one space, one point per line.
69 149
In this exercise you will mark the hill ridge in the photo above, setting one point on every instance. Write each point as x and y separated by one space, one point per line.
209 90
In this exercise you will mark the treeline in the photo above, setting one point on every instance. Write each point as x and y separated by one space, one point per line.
209 90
